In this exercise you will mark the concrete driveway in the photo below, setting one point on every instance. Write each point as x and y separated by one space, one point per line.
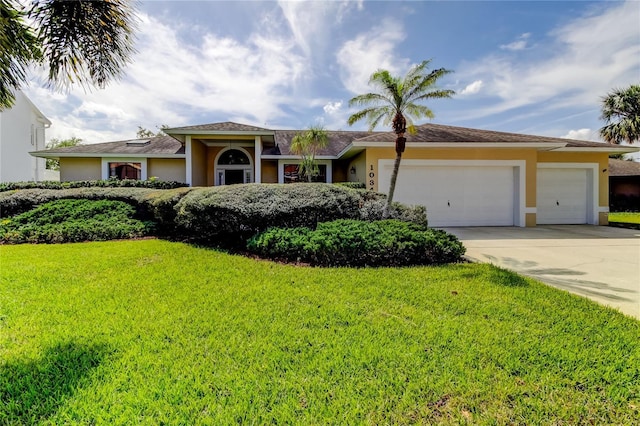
598 262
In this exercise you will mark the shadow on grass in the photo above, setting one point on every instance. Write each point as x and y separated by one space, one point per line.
31 392
506 278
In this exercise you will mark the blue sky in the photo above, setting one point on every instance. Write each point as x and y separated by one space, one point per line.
536 67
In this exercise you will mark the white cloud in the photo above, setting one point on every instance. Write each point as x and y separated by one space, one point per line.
585 60
310 22
581 134
332 107
171 81
368 52
519 44
472 88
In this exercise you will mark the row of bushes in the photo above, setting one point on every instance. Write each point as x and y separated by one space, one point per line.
213 214
71 220
322 224
349 242
109 183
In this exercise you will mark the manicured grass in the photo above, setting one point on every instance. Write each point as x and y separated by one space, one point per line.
625 217
153 332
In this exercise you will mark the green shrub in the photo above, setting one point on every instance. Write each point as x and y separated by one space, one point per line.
231 214
352 185
109 183
150 203
71 220
213 214
359 243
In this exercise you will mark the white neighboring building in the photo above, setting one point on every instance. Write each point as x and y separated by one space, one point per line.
21 131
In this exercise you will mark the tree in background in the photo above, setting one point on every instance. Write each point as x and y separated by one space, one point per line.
80 42
307 144
53 164
395 101
144 133
621 112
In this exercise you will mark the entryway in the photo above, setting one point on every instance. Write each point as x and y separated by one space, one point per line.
234 166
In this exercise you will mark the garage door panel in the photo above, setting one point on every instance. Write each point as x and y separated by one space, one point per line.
457 195
562 196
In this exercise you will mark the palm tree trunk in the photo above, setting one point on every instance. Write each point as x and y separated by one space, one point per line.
392 186
400 145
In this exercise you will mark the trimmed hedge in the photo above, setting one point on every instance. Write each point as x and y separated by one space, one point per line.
150 203
229 214
63 221
349 242
109 183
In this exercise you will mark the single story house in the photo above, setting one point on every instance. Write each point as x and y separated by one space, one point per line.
465 177
624 185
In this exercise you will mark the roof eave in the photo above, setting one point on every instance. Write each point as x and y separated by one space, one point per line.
537 145
296 157
171 132
605 148
54 155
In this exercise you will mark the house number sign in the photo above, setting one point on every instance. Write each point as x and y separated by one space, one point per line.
372 178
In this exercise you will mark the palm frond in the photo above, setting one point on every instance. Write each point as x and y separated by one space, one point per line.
621 112
85 42
18 48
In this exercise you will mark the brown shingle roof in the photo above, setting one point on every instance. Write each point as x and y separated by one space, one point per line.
159 145
227 126
623 168
338 140
451 134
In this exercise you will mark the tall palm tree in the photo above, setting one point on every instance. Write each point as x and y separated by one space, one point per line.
82 42
307 144
621 112
395 102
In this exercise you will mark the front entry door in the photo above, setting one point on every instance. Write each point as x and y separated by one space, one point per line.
233 176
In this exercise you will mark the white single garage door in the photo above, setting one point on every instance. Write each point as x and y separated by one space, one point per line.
456 195
562 196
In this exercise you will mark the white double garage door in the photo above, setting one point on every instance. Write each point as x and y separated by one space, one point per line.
492 193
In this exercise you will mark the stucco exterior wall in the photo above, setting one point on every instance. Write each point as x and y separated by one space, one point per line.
198 164
80 169
531 157
270 171
528 155
167 169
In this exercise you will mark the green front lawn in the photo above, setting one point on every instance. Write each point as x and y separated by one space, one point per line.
625 217
152 332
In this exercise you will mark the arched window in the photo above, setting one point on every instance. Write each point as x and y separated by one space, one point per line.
233 157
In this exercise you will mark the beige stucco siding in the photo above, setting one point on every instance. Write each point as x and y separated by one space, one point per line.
167 169
80 169
269 171
528 155
198 164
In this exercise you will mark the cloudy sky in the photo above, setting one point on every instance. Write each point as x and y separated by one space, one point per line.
538 67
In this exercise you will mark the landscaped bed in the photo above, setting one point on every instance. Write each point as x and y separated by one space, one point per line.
151 332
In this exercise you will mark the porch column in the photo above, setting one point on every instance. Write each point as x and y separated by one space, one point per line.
258 162
187 154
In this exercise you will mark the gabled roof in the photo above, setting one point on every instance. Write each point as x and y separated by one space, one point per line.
338 141
623 168
227 126
439 133
158 146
